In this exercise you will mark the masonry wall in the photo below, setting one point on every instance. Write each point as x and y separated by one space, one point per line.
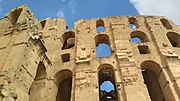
43 60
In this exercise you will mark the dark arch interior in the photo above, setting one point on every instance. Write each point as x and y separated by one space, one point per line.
68 40
106 74
174 39
166 23
64 90
65 57
63 79
150 72
13 16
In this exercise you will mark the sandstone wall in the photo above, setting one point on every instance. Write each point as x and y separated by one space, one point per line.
45 61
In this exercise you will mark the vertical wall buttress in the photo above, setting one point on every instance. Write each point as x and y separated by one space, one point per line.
38 88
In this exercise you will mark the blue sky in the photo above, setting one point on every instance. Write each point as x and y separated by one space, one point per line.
72 10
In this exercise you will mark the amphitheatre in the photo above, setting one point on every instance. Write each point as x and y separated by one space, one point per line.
46 61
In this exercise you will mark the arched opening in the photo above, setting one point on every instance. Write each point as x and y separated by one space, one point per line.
102 46
39 84
150 71
64 81
100 26
14 15
174 39
166 23
107 85
133 23
68 40
138 36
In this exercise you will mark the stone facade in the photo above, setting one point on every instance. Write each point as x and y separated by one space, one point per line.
44 61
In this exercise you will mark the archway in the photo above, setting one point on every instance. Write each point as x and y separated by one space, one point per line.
166 23
103 48
106 75
138 36
174 39
100 26
133 23
68 40
63 79
150 71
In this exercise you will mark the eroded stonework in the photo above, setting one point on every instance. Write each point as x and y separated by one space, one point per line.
44 61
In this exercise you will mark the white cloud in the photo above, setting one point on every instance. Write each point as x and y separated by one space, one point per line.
69 7
60 13
72 6
168 8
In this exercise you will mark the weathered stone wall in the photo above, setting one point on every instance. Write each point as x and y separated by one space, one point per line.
43 60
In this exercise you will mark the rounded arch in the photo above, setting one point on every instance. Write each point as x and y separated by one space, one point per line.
151 65
100 25
139 34
63 80
166 23
62 75
174 39
133 23
102 38
103 48
99 22
68 40
106 73
105 65
67 35
150 72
